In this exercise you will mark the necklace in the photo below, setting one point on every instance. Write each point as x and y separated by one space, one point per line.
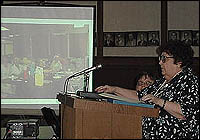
163 84
156 94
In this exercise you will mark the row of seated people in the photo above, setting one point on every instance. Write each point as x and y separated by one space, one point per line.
17 67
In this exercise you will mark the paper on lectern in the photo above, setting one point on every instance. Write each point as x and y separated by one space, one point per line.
119 98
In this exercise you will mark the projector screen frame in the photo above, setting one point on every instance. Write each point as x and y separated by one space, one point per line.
10 111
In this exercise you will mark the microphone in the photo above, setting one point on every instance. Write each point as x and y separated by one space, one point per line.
93 68
85 71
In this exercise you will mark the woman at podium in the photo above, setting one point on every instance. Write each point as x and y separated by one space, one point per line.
175 93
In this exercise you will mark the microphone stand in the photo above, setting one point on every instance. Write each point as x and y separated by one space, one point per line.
7 134
86 78
86 82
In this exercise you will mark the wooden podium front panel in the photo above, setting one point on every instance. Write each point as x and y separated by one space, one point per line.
84 119
67 122
84 124
96 125
126 126
102 125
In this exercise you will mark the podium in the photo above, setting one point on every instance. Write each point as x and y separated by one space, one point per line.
89 119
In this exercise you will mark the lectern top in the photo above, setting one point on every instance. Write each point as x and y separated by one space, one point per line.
103 106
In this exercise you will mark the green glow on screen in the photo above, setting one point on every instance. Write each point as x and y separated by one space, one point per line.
46 21
29 101
4 29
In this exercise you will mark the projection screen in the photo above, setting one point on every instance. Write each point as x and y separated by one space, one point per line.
40 47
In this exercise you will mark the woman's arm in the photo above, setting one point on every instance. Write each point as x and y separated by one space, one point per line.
132 94
171 107
174 109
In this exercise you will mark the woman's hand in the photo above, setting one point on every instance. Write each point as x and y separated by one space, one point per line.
106 88
128 93
152 99
171 107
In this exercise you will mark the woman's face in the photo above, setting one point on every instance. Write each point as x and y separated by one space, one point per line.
168 68
143 82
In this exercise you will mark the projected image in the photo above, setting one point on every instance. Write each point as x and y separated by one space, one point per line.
38 62
38 54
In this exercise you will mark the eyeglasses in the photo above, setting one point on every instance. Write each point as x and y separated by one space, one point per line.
141 83
163 58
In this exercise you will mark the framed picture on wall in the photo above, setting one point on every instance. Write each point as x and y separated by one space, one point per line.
173 35
142 38
130 39
195 38
153 38
109 39
120 39
186 36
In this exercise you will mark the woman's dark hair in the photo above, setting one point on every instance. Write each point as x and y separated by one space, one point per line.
181 52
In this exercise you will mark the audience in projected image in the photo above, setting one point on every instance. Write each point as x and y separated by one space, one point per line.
5 67
32 68
56 65
15 69
6 87
10 67
24 69
20 74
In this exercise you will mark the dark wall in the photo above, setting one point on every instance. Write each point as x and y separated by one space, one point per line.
121 71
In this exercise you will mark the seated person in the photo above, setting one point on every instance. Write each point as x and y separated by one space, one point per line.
56 65
143 80
5 67
6 87
15 68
